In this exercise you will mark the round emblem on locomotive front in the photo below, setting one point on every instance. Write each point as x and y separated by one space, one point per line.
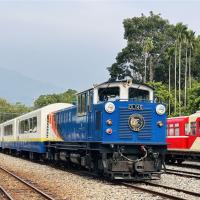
136 122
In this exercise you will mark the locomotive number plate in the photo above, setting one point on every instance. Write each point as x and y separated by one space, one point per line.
135 107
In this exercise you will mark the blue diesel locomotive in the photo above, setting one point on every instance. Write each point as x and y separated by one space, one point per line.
116 129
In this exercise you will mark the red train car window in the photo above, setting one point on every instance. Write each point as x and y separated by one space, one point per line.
186 129
199 127
171 129
193 128
176 129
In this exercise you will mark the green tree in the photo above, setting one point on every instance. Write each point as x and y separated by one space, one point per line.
145 35
181 32
10 111
65 97
194 100
158 51
161 92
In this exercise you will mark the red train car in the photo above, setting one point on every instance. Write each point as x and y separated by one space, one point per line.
183 138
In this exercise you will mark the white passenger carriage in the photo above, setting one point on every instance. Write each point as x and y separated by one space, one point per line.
30 131
7 133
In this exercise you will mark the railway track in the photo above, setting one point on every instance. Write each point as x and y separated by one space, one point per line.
183 173
153 191
15 188
186 165
4 195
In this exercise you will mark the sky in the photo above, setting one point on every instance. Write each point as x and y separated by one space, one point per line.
70 44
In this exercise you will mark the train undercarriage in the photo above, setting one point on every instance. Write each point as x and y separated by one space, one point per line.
113 161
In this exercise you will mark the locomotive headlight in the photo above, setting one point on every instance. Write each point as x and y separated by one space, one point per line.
160 123
109 122
109 107
160 109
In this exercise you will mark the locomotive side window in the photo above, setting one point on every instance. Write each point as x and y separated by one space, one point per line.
193 128
82 102
90 100
138 94
98 120
109 94
79 103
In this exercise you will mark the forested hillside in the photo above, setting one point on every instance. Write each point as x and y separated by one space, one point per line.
9 111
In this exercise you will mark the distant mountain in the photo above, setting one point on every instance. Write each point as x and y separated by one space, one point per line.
16 87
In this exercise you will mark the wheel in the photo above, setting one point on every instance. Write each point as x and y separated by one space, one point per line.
179 161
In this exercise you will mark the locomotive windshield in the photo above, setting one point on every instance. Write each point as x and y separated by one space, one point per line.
109 94
138 94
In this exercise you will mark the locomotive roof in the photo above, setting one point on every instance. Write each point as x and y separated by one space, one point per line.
110 82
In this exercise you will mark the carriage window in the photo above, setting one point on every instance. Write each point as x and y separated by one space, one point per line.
171 129
28 125
176 129
109 94
199 127
8 130
186 129
34 124
82 102
138 94
193 128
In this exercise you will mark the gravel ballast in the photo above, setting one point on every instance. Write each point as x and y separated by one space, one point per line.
66 185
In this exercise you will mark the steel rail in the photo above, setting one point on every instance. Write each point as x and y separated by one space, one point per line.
183 174
172 188
150 191
6 193
186 165
28 184
182 171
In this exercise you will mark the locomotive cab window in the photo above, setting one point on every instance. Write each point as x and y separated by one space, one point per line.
109 94
138 94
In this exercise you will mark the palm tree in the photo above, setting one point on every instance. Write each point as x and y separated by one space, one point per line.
148 46
170 53
181 30
191 42
175 63
186 67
